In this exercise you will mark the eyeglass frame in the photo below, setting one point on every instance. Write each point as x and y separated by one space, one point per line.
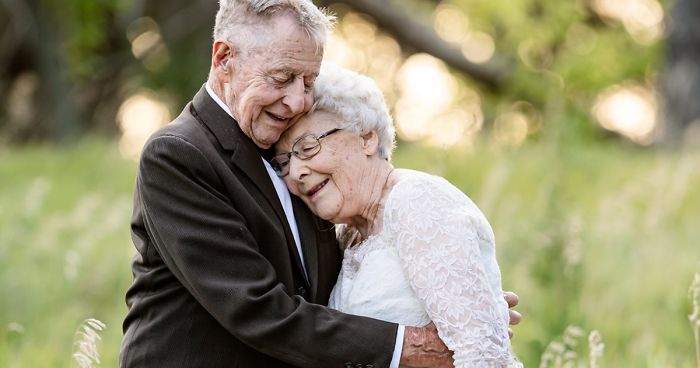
283 171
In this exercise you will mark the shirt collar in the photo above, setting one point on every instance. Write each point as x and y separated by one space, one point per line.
216 99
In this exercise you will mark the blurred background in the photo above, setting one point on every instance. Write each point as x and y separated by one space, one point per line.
574 125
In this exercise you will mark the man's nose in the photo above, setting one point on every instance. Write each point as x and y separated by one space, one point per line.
295 96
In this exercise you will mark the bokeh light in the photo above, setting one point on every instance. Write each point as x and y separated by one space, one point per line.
451 24
643 19
629 109
147 44
428 109
139 117
511 129
478 47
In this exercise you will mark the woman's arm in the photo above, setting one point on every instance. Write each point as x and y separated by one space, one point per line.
438 236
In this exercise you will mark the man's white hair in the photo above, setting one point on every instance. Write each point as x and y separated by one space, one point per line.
359 103
244 22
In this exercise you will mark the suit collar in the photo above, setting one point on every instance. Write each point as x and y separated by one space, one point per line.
220 123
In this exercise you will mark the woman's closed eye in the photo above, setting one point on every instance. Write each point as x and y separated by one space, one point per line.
308 148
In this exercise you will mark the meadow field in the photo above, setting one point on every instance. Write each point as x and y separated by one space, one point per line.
602 236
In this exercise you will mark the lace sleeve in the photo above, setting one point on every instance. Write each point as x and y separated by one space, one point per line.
441 236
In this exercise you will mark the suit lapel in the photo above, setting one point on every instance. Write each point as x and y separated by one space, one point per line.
246 157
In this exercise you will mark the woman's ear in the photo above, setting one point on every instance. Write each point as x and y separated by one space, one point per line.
370 143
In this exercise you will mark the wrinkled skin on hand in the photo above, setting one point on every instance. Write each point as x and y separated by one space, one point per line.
422 347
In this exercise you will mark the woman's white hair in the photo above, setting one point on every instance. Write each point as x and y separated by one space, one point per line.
358 102
245 22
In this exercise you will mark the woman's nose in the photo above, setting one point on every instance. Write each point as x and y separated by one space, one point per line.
297 169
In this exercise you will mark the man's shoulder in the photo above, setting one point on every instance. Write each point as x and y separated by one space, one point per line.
185 129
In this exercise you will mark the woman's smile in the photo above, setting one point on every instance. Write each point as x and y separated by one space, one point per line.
313 191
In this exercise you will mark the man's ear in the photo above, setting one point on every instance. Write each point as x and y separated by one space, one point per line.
370 143
222 54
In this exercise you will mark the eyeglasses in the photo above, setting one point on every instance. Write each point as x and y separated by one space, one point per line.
303 148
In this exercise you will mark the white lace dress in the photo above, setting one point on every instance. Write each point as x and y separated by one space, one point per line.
434 260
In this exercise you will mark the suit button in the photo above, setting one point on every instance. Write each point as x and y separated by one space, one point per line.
348 365
302 292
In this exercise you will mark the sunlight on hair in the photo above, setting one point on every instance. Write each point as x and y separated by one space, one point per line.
628 109
643 19
478 47
147 44
451 24
139 117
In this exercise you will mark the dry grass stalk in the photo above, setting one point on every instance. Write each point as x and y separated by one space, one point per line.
87 336
562 354
596 348
694 317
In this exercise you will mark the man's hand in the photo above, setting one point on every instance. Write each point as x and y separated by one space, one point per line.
514 317
422 347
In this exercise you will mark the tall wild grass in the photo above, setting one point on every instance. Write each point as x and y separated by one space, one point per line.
596 235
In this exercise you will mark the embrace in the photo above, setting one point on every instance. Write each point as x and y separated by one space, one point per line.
272 230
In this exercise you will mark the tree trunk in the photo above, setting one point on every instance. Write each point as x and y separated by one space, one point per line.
680 83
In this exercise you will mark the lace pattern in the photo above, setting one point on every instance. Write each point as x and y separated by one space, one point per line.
446 266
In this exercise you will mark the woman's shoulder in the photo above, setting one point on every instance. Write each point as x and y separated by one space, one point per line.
421 191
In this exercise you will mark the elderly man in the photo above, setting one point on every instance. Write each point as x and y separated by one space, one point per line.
231 271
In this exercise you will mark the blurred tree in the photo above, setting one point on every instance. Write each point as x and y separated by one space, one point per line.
60 63
66 66
681 79
414 37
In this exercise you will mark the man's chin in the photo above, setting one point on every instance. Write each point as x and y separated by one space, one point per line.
265 141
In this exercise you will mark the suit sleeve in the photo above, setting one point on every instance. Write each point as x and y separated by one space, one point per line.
204 241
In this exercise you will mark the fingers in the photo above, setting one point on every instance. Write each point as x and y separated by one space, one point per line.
514 317
511 298
510 333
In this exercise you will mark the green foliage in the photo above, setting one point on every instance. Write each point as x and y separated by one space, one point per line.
65 250
83 28
599 236
594 235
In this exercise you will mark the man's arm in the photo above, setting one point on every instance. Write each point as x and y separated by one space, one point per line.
206 243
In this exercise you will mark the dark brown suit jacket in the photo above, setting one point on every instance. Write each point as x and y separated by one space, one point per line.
217 279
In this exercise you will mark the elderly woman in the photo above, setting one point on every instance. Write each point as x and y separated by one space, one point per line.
416 248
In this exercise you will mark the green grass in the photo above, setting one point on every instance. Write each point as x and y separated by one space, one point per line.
601 236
